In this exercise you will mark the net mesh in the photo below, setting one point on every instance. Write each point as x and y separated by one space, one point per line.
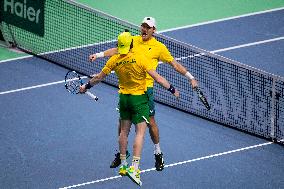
240 96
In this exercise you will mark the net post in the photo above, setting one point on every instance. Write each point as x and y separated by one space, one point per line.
3 41
13 43
8 42
272 115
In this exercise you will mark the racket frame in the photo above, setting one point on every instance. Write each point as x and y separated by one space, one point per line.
77 77
202 98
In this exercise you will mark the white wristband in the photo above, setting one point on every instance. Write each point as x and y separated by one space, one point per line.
189 76
100 55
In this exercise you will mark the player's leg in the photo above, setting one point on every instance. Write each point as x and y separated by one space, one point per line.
140 129
154 132
123 136
123 142
116 162
125 124
133 172
140 115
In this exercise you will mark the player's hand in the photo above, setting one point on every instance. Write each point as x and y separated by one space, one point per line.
92 57
194 83
83 89
94 75
176 94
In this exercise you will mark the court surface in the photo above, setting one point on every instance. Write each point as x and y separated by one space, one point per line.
52 139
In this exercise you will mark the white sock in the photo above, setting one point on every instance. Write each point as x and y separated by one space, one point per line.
157 149
135 162
123 159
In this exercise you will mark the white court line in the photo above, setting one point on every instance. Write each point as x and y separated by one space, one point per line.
221 20
173 164
32 87
232 48
18 58
247 45
35 86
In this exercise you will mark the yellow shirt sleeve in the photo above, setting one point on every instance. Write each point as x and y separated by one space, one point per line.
165 55
109 66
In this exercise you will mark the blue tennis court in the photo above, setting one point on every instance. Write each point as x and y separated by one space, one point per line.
52 139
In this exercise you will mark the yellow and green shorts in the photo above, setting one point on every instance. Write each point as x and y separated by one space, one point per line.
134 108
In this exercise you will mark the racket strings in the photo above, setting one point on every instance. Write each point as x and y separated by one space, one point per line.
73 83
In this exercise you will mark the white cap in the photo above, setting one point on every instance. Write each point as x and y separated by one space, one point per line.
150 21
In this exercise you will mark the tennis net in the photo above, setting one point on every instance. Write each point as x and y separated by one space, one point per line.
240 96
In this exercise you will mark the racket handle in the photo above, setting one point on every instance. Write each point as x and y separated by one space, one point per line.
92 96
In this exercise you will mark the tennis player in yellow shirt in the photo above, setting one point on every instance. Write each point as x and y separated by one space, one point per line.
155 51
131 68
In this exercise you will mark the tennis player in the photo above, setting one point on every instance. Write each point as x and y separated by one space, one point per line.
131 69
155 51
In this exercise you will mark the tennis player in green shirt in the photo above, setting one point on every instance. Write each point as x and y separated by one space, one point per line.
131 68
155 51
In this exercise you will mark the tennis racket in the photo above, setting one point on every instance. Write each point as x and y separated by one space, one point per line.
202 98
73 81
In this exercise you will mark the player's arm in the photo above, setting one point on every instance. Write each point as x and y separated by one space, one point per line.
95 80
106 53
110 64
166 56
183 71
163 82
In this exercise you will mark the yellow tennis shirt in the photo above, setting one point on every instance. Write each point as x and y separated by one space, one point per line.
131 71
155 51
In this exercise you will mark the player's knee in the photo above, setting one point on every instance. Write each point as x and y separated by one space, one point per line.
152 122
122 135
